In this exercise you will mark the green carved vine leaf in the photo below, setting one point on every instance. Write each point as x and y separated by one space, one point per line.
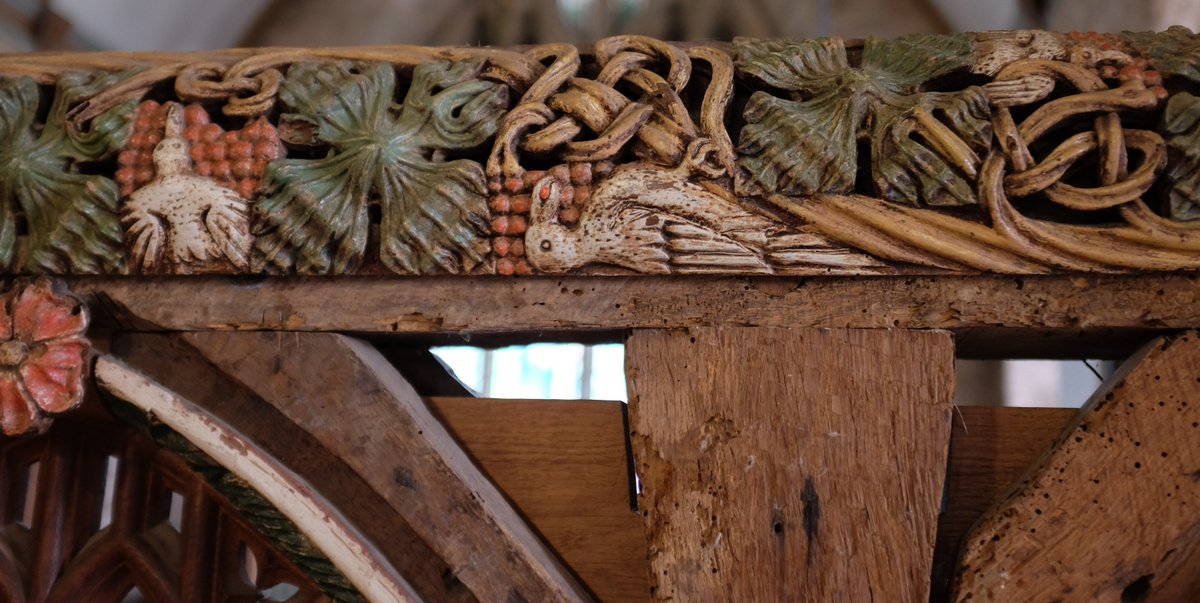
315 215
1181 125
72 220
808 143
1175 51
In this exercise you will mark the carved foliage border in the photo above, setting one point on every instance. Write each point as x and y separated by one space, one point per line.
1013 152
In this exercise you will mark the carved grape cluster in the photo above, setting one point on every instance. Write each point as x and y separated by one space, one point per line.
235 159
509 203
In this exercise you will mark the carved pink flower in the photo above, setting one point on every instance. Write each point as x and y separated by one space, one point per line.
42 356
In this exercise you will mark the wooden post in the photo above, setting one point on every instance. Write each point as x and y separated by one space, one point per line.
791 464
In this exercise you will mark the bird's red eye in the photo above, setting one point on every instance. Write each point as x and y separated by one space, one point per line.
545 192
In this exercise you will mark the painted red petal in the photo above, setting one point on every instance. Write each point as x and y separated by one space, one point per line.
6 322
17 414
53 374
40 314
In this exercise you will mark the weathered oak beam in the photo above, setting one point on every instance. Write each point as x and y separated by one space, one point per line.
1113 511
169 360
344 394
1005 316
991 447
790 464
313 516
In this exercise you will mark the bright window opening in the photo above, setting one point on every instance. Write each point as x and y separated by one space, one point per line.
564 371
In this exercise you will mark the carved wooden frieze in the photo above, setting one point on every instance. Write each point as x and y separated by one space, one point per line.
1015 152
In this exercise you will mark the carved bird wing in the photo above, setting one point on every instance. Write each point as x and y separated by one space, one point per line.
229 226
696 249
148 236
648 240
791 251
633 238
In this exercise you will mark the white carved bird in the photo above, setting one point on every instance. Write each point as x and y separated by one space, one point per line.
657 221
183 219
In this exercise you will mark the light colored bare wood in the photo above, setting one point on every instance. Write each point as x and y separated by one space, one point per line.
314 516
1043 315
1111 513
791 464
346 395
565 466
991 447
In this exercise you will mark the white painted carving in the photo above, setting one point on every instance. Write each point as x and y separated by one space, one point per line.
658 221
181 222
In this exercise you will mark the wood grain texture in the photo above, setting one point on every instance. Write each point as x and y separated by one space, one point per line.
565 466
1040 316
323 527
790 464
1110 513
991 447
170 360
346 395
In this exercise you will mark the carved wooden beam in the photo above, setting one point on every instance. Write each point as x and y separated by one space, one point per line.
1020 152
312 517
170 361
347 399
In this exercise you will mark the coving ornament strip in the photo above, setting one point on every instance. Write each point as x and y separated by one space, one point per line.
1016 152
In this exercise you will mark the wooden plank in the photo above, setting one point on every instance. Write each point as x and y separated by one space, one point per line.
346 395
791 464
1043 316
1110 514
565 466
991 447
174 363
313 516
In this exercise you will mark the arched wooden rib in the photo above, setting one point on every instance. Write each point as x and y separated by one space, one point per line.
315 517
343 393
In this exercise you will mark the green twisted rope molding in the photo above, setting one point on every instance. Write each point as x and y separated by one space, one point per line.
1018 152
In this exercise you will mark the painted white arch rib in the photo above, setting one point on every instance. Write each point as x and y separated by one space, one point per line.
320 521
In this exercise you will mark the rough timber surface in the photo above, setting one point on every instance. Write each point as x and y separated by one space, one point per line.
1109 513
790 464
388 437
992 315
991 447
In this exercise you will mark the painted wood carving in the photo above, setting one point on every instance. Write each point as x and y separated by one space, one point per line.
1018 152
43 355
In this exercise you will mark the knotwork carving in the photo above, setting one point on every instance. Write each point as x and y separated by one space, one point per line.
1111 141
245 95
1013 152
627 100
